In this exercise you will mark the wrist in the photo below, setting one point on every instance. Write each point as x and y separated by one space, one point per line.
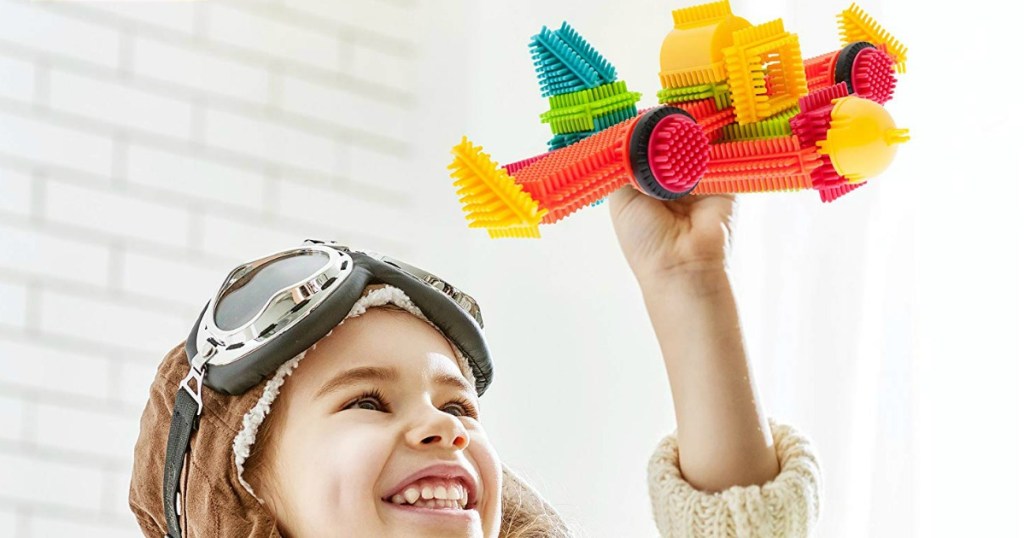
695 281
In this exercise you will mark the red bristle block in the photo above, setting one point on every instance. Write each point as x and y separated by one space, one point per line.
811 126
512 168
874 75
573 177
826 176
815 117
711 120
759 165
831 193
820 70
678 153
822 97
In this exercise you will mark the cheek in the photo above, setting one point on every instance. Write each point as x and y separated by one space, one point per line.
489 466
334 471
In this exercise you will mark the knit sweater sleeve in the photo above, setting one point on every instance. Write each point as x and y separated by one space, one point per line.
786 506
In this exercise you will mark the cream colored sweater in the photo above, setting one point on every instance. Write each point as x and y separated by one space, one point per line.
786 506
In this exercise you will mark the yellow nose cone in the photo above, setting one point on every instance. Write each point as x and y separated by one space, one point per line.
862 139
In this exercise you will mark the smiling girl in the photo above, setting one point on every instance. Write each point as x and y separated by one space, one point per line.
378 433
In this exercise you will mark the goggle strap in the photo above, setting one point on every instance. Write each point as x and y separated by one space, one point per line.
184 421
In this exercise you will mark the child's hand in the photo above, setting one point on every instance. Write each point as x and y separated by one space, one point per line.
669 239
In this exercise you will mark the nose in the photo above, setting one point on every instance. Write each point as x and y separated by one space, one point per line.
435 428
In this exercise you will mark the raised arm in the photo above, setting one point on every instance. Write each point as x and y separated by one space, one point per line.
723 434
678 252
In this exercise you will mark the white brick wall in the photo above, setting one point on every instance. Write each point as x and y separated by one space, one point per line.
145 149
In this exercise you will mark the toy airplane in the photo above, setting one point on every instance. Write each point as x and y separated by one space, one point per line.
741 111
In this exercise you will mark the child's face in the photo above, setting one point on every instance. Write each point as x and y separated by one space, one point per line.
340 456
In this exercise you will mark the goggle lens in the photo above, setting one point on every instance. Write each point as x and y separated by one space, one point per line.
247 296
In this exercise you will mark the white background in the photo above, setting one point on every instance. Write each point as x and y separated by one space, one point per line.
147 148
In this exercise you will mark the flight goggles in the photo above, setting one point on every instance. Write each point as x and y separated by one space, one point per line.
269 310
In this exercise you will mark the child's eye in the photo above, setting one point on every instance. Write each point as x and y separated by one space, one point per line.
460 408
370 401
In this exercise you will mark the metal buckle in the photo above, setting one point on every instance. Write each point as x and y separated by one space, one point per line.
198 374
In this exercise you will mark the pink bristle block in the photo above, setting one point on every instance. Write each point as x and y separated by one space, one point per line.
874 75
678 153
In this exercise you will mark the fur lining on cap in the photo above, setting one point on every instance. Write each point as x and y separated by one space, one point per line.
251 421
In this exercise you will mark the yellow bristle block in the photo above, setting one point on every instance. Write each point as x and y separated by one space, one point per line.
856 25
712 74
490 197
766 49
700 15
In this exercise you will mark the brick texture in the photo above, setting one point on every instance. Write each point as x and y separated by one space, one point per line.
145 149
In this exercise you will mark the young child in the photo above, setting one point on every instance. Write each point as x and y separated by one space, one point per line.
379 434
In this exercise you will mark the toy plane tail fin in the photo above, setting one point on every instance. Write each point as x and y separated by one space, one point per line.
490 197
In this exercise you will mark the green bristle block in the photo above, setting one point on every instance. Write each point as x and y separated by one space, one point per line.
775 126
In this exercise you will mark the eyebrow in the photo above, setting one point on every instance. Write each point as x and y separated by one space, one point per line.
379 374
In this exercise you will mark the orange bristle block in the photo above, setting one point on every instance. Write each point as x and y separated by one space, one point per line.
710 119
759 165
730 186
576 176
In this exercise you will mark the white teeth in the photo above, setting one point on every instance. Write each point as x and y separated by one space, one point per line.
412 495
452 496
440 492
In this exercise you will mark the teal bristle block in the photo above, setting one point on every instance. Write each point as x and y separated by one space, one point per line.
560 141
566 63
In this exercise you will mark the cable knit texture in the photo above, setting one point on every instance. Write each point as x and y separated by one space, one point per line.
786 506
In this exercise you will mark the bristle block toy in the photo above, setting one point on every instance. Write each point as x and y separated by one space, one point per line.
741 112
766 50
718 92
711 119
819 71
668 153
855 25
513 168
751 185
872 76
822 97
591 109
565 62
777 125
570 178
488 194
519 232
562 140
700 15
712 74
829 194
771 153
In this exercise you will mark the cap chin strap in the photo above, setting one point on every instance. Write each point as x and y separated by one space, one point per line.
188 405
